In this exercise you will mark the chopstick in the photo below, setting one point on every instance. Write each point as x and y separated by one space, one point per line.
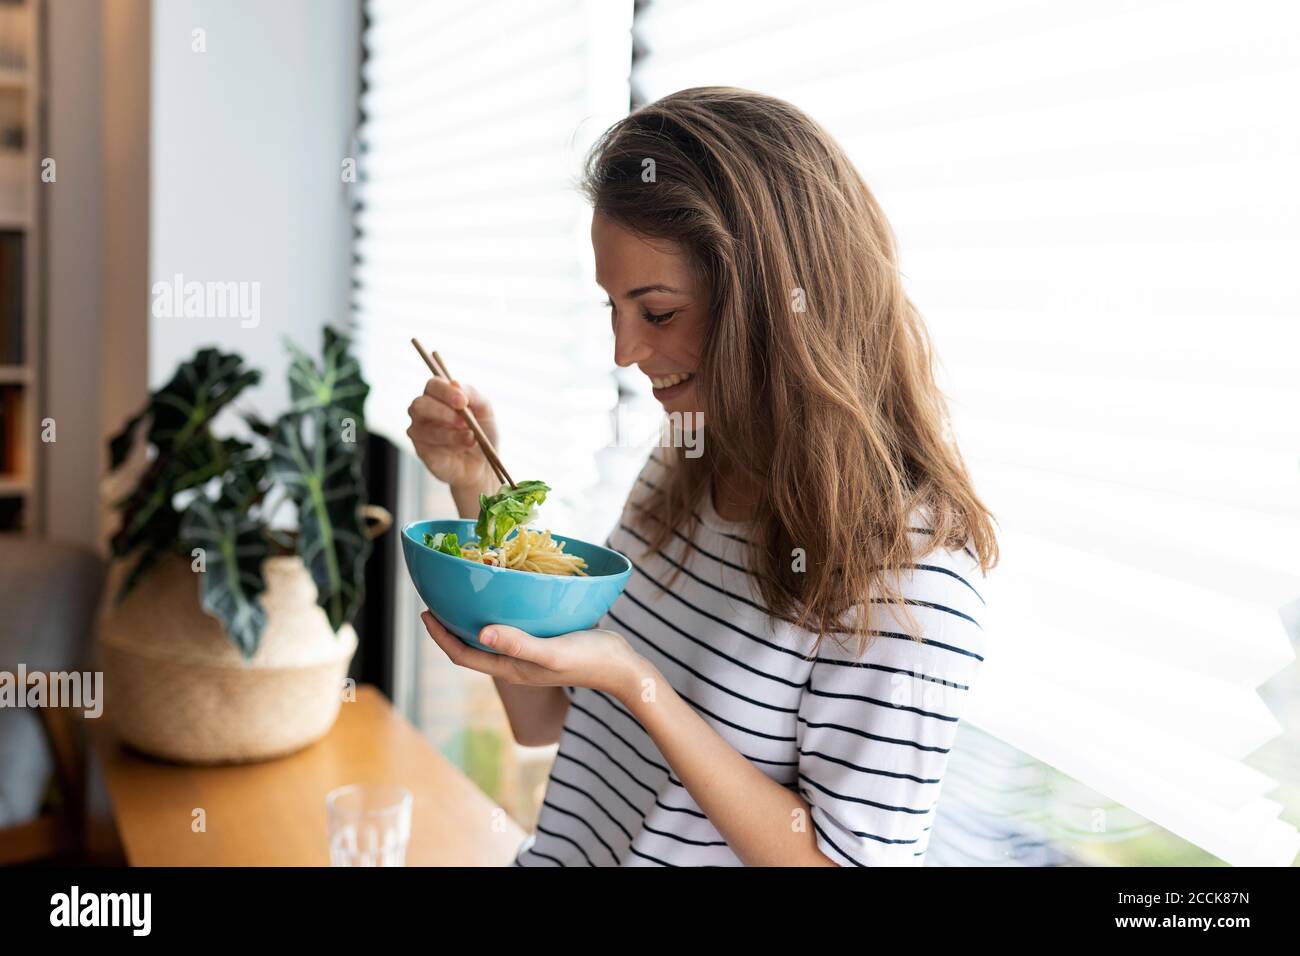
440 371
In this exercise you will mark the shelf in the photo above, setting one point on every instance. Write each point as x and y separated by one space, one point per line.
21 368
12 486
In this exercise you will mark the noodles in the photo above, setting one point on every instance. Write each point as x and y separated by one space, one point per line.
528 550
504 542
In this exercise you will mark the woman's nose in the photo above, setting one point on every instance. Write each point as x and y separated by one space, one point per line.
630 343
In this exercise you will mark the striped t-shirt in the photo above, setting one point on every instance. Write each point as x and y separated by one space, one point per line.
865 741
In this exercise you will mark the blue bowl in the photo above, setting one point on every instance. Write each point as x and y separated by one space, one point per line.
467 596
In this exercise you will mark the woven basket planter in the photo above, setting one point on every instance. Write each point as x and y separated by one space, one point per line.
177 688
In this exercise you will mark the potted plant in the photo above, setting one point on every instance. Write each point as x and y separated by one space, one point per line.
225 639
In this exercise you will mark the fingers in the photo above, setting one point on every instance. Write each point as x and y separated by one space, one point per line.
519 645
430 411
449 393
478 404
440 436
461 654
456 396
515 649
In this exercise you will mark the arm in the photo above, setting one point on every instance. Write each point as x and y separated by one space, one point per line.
536 714
764 823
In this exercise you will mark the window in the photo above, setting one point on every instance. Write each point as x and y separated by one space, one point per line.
472 236
1095 204
1095 207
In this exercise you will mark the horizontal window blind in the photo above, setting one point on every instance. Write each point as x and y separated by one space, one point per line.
473 237
1096 207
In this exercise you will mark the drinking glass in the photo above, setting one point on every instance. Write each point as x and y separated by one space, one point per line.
369 824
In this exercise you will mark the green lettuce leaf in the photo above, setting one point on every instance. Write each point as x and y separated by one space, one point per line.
448 543
501 513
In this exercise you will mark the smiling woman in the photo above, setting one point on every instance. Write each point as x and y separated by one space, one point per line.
781 681
658 326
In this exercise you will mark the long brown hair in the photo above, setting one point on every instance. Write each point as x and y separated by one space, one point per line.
816 377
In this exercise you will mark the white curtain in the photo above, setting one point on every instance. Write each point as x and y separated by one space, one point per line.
473 237
1096 204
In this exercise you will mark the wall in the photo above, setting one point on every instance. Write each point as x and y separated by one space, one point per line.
73 222
124 228
221 165
248 134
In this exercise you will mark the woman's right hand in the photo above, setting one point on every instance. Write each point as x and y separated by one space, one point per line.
445 443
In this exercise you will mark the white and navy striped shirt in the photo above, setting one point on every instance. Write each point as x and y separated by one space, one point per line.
865 741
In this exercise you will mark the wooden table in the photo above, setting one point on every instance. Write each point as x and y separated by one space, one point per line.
273 813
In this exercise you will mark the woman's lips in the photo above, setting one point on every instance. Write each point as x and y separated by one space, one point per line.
673 385
669 380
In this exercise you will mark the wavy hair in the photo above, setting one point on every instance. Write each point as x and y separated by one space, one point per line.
816 377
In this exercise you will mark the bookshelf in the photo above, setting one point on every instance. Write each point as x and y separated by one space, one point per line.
21 137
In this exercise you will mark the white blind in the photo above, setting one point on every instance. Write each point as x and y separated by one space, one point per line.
472 235
1096 204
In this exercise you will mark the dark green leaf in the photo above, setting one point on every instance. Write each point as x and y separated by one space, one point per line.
335 386
150 522
231 584
119 446
186 454
322 473
244 479
257 425
196 394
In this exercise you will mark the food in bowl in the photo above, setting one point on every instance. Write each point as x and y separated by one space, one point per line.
509 510
466 593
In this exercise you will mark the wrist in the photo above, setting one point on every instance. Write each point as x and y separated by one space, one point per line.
640 683
466 498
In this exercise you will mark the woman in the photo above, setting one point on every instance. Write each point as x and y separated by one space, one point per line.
781 681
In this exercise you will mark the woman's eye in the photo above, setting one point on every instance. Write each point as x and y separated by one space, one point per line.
651 317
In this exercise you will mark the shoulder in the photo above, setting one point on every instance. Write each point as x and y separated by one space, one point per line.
931 609
941 568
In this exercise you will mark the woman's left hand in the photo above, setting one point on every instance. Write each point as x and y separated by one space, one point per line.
601 660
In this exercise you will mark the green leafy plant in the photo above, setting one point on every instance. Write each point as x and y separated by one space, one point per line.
204 495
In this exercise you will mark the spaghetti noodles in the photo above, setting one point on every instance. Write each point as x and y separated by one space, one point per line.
504 542
528 550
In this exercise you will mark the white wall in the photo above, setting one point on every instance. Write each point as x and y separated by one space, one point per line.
247 141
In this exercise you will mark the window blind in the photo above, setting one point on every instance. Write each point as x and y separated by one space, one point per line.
472 236
1095 204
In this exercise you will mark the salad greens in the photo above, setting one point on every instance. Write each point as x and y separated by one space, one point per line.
498 515
509 507
448 543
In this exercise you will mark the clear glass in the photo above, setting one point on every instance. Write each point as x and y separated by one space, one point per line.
369 824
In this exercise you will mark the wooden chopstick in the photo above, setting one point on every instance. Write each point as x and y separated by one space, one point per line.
440 371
